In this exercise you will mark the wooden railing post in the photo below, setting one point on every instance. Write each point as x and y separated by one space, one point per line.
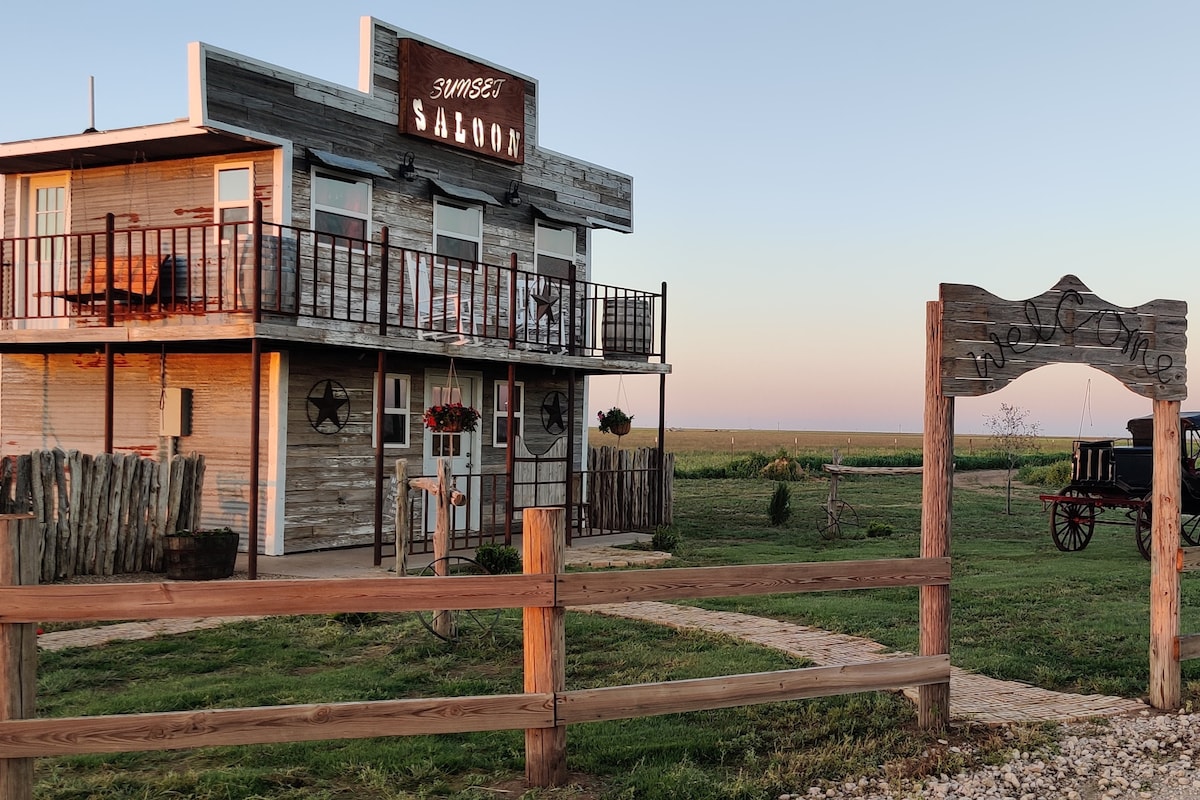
403 517
545 645
1165 675
18 650
933 700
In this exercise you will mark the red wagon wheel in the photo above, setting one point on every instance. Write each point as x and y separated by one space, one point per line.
1072 522
1189 531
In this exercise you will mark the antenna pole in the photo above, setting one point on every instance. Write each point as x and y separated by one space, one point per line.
91 128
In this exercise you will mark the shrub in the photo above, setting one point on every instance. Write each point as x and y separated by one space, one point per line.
879 530
665 540
780 507
782 469
1056 475
498 559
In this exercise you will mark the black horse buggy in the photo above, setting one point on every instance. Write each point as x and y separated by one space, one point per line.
1107 478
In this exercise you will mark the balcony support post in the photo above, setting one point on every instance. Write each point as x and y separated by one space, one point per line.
255 411
385 250
380 396
662 409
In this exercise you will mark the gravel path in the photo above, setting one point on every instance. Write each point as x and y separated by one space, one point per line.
1146 755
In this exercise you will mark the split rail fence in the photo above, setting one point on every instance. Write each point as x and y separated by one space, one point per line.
543 710
101 514
1188 645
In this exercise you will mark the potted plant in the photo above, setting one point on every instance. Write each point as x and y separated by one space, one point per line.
614 421
451 418
200 555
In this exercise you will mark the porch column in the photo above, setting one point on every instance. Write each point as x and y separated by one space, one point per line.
255 411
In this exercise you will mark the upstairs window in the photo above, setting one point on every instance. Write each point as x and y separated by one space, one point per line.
457 230
234 193
341 207
554 250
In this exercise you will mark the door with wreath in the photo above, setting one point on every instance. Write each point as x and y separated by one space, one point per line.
463 448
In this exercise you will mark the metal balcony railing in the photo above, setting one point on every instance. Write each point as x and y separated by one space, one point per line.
171 275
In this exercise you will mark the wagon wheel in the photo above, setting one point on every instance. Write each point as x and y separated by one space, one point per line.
462 623
1189 531
838 514
1072 522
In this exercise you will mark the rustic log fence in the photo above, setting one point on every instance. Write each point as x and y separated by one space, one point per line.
101 514
542 711
627 491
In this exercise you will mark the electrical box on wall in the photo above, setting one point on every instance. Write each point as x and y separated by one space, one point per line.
176 413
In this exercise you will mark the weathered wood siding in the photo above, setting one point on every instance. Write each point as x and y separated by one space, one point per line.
364 125
57 401
330 489
160 194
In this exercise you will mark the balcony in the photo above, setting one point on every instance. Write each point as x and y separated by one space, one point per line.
267 273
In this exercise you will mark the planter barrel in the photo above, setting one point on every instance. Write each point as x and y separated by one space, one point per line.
200 558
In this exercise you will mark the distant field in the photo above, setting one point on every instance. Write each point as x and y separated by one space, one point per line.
696 440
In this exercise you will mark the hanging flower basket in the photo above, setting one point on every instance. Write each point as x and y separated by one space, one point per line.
614 421
451 418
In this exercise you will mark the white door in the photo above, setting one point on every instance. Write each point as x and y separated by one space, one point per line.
42 266
463 449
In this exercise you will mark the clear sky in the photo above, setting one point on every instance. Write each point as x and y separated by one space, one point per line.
806 172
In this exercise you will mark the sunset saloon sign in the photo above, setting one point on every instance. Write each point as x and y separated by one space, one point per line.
455 101
988 341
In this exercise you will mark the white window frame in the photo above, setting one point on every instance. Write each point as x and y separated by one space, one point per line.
539 250
440 203
500 416
323 239
219 205
404 413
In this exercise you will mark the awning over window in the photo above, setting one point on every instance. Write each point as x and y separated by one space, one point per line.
552 214
462 192
348 164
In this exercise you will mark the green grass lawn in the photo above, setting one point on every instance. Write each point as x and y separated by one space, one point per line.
1021 609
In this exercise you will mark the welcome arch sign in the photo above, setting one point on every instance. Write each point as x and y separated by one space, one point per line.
977 343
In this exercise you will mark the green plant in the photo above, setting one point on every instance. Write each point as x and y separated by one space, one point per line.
1055 476
498 559
877 530
665 540
612 418
779 510
204 532
782 468
451 417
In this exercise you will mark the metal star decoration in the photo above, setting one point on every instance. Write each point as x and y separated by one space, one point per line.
328 402
545 303
554 413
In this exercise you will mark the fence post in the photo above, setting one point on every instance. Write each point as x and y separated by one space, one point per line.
18 649
545 644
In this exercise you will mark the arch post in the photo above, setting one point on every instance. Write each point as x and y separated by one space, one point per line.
933 701
1165 676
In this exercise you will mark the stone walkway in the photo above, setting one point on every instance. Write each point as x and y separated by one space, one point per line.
972 697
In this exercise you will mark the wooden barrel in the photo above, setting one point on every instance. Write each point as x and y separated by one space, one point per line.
202 557
627 329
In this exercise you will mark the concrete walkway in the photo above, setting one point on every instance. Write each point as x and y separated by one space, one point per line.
972 697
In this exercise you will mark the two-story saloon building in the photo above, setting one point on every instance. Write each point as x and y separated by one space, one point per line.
287 278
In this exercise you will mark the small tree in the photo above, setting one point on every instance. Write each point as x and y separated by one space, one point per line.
780 507
1013 434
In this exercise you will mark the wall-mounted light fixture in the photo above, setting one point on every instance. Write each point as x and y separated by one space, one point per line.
407 171
513 195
